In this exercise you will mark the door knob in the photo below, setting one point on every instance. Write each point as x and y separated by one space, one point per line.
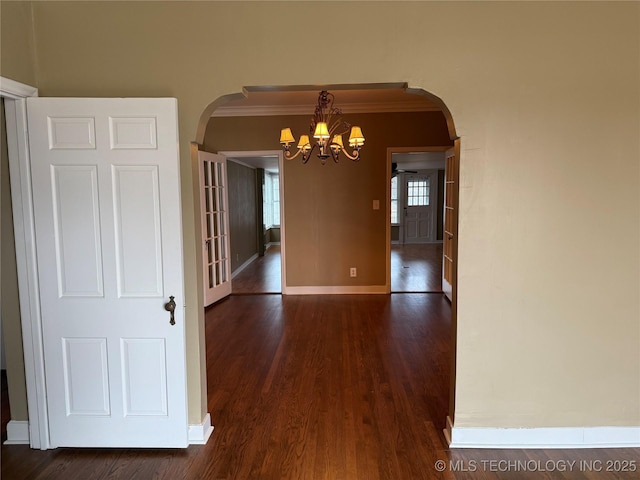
170 306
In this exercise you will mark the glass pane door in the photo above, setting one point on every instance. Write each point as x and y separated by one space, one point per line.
215 229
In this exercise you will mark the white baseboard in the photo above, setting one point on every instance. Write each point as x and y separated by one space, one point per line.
341 290
244 265
560 437
199 434
17 432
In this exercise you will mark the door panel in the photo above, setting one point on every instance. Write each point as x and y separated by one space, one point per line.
136 204
77 231
106 186
419 201
215 226
86 376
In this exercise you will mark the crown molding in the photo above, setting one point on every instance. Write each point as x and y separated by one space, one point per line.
280 110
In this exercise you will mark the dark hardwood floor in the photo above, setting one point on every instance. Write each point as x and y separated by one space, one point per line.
260 276
323 387
416 268
331 386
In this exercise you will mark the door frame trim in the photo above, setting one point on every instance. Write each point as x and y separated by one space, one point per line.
390 152
15 95
279 154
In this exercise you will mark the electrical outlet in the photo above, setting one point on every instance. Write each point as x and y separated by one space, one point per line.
353 272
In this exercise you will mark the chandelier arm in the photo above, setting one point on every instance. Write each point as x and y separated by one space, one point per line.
289 156
355 157
307 155
335 126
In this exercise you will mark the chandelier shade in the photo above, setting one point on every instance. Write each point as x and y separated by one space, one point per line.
326 124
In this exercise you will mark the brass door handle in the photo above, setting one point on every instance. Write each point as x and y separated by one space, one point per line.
170 306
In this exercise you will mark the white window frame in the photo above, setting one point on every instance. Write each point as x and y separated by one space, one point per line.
267 201
395 201
275 198
271 200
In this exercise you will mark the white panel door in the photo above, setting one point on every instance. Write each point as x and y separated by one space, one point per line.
215 226
106 186
419 210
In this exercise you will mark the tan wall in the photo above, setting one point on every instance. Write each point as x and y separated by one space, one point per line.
17 46
545 97
330 223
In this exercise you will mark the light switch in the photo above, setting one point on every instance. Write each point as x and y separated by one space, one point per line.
376 204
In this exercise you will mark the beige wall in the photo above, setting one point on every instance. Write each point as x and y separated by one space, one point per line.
17 44
546 100
330 224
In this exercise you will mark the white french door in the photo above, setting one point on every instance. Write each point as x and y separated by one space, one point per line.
419 208
106 188
215 226
450 247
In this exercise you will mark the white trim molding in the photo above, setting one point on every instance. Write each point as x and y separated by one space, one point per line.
15 95
558 437
339 290
283 246
278 110
15 90
199 434
17 432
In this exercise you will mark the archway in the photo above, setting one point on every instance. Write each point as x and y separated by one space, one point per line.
452 169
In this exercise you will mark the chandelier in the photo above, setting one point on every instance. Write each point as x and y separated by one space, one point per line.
327 128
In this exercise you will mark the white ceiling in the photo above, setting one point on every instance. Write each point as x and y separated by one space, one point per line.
260 101
419 160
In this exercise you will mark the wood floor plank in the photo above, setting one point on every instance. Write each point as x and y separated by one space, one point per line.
263 275
416 267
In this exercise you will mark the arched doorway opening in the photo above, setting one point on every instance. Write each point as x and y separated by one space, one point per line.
264 101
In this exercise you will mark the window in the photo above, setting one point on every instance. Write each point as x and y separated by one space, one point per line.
276 198
394 200
267 200
418 193
271 200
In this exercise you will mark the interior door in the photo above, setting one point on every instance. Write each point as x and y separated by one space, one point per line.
419 211
450 247
106 190
215 226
